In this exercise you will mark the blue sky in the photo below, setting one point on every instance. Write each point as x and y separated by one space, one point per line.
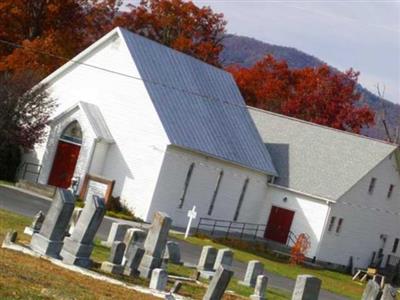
364 35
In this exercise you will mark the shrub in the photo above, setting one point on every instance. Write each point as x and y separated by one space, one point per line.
10 158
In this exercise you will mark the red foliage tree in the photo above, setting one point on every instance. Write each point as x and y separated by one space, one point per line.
64 28
300 249
40 26
319 95
178 24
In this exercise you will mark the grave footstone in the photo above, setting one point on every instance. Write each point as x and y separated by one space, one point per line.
159 278
79 246
173 253
133 259
49 240
205 266
74 219
176 287
388 293
371 291
133 237
117 234
154 244
254 269
307 287
207 258
224 258
36 224
218 284
113 265
260 288
11 237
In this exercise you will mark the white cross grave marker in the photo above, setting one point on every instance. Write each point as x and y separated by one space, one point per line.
192 214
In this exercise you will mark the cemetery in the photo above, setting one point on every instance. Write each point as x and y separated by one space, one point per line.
145 261
143 164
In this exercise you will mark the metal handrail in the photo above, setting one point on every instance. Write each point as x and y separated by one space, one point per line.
25 167
292 238
241 228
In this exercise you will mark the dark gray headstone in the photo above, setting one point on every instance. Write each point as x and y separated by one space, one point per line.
260 288
49 240
11 237
173 252
207 258
154 244
133 237
224 258
176 287
307 288
218 284
36 224
254 269
117 252
79 246
133 259
117 233
37 221
388 293
74 219
159 278
371 291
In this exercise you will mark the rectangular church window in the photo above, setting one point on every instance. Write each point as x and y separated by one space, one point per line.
246 182
390 191
339 225
214 197
372 185
331 224
185 187
395 245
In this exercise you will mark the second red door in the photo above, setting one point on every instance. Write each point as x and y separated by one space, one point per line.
279 224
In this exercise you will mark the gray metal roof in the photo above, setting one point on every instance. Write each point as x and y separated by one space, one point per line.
317 160
199 105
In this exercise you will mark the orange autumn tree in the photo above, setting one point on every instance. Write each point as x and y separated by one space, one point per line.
300 248
319 95
64 28
52 26
181 25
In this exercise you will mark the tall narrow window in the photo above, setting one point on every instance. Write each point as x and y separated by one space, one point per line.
331 224
246 182
372 185
390 191
214 197
395 245
339 225
185 187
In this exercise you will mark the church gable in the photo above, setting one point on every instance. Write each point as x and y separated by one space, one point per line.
199 105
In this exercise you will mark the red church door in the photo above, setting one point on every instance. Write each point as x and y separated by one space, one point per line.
279 224
64 164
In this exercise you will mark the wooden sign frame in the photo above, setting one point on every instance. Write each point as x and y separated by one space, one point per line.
88 177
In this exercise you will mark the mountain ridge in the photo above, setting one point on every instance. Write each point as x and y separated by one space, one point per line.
246 51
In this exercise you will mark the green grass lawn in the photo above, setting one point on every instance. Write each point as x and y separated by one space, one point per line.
3 182
332 281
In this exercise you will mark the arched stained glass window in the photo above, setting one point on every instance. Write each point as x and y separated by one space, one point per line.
72 133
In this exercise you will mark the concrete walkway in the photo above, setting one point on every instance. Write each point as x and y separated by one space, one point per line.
28 204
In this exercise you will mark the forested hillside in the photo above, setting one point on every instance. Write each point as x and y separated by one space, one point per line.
246 51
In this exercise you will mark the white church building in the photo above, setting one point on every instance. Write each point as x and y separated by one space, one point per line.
173 132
